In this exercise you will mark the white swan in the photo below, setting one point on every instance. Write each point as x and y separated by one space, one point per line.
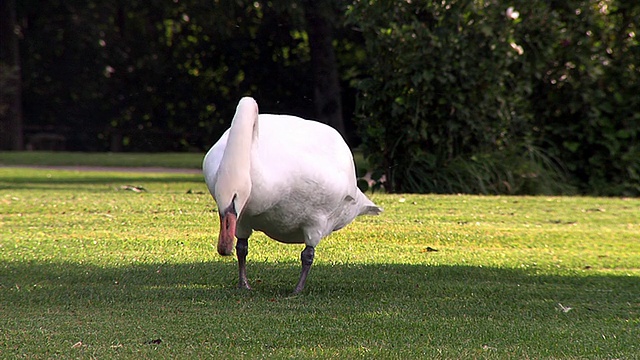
291 178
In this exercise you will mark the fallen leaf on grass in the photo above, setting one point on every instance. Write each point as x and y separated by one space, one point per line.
564 309
137 189
77 345
569 222
429 249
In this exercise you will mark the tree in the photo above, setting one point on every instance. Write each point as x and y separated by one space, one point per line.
156 75
320 17
11 134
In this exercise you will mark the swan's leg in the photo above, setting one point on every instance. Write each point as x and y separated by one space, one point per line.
307 260
242 249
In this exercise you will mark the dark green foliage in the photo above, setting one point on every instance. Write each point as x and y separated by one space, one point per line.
153 76
453 96
7 75
585 102
463 97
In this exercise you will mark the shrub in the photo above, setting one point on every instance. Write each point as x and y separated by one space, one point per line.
457 89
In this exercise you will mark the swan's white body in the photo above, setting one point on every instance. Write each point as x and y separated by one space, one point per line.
303 181
291 178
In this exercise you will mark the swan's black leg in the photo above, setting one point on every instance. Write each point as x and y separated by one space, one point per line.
242 249
307 260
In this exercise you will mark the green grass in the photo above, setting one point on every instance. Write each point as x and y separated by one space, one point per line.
168 160
88 270
43 158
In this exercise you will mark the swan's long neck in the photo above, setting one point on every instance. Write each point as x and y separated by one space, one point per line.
237 154
234 173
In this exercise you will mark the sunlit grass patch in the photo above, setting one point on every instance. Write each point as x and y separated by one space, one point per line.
91 269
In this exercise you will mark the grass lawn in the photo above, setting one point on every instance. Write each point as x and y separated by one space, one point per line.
90 269
61 158
166 160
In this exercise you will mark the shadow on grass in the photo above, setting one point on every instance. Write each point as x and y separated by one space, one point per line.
347 311
454 290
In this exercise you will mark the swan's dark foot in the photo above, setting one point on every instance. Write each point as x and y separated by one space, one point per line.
242 249
307 259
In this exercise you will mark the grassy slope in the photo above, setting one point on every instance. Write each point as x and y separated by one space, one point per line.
84 263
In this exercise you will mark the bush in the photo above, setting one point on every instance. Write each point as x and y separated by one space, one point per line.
457 89
585 102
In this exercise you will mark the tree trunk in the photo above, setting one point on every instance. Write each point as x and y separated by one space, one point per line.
11 135
327 95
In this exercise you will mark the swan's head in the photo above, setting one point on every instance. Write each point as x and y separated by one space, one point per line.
229 212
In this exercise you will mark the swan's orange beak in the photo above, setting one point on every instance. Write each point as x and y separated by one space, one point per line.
227 233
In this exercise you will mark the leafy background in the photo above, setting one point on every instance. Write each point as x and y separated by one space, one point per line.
445 97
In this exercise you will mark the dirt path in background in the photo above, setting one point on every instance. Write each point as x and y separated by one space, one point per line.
108 168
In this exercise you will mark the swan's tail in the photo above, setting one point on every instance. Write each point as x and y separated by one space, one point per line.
368 207
370 210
